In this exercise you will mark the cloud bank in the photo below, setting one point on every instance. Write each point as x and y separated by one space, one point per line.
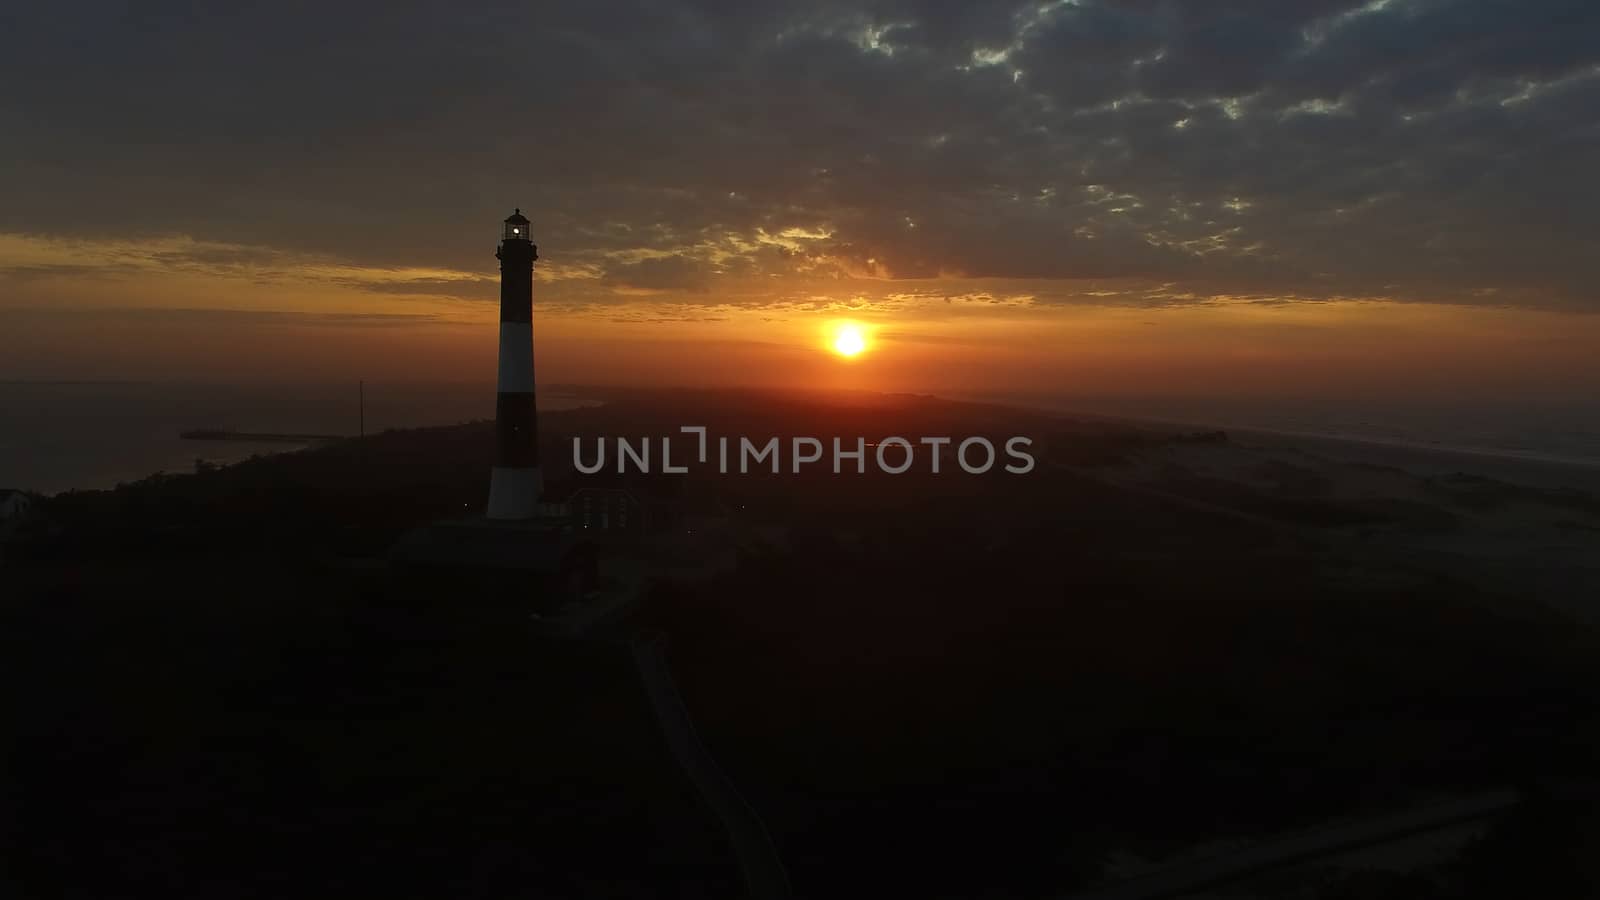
743 152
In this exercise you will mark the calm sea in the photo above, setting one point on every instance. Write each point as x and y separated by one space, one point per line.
61 436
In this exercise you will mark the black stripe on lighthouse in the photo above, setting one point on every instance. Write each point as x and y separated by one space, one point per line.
516 482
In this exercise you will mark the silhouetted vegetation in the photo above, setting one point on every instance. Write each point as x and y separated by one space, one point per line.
957 686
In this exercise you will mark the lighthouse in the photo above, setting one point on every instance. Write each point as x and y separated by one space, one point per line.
523 553
515 484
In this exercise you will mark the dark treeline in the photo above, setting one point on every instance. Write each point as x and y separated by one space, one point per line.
956 686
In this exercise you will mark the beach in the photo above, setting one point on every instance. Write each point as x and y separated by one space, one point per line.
1512 525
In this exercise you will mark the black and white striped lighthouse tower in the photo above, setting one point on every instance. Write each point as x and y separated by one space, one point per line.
516 483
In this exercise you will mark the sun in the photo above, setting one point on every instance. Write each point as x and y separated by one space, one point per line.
849 341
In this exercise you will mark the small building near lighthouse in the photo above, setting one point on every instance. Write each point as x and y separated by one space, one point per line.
14 509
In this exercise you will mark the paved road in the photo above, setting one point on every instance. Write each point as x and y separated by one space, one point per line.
764 874
1187 877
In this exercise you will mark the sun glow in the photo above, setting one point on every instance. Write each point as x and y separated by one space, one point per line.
848 340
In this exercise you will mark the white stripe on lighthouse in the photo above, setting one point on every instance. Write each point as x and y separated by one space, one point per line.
516 358
514 492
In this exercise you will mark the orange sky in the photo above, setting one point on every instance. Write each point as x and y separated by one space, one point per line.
147 310
1066 199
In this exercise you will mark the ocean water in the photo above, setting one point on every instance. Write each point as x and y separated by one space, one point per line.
63 436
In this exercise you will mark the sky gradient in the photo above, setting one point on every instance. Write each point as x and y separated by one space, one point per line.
1325 197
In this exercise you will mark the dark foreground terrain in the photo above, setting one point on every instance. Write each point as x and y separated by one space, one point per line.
939 686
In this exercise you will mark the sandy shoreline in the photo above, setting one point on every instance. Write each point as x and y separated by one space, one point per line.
1516 527
1549 471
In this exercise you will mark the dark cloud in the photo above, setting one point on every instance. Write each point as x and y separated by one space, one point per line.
667 273
153 315
23 274
1412 148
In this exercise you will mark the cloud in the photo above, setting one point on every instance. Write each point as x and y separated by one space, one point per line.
462 288
155 315
667 273
1416 149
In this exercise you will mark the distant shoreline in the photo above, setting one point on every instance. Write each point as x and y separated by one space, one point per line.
159 448
1495 453
1529 456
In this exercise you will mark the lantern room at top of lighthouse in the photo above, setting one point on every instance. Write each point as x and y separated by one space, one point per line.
516 228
